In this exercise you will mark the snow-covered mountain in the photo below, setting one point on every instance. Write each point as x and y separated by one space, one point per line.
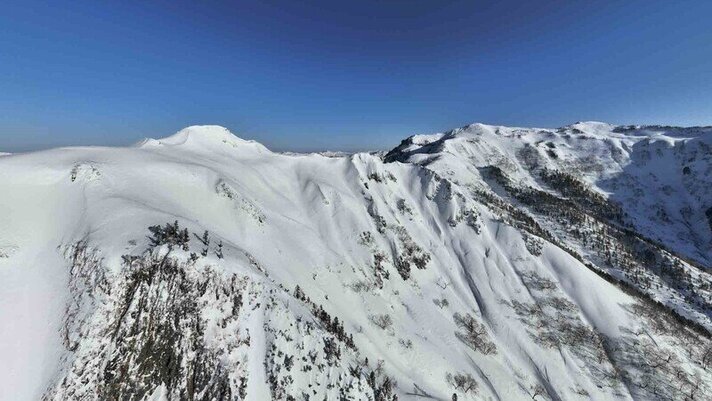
482 263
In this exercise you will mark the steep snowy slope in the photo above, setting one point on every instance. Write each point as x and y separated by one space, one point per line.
633 201
203 266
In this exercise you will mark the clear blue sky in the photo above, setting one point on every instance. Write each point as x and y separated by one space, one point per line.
354 75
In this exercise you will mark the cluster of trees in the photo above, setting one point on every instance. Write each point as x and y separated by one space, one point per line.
403 207
644 263
278 384
463 382
655 368
368 380
412 254
379 269
534 281
333 326
382 391
554 322
205 240
170 235
575 189
379 178
474 334
332 351
514 216
596 226
472 217
378 220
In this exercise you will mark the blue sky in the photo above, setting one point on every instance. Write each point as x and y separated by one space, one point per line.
344 75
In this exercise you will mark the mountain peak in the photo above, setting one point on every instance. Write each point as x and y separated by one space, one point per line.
201 136
214 133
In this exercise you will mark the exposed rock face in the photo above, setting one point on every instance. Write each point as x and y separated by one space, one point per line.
146 327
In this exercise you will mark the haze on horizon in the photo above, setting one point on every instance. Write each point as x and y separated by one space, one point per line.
340 75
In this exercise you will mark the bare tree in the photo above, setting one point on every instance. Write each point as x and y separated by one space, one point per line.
536 391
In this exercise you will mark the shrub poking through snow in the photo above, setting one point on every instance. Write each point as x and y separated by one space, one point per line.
383 321
441 303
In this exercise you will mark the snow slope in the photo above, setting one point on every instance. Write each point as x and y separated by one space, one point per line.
418 274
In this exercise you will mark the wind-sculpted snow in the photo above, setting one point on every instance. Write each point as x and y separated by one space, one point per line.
488 263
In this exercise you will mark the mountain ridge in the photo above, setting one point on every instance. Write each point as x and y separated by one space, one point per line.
503 265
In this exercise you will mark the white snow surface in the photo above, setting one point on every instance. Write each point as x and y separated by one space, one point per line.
304 219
